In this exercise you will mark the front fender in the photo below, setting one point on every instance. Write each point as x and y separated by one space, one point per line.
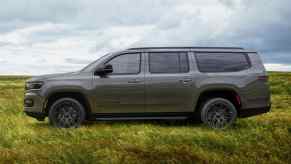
52 87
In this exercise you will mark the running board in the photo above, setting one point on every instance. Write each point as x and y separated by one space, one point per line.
141 118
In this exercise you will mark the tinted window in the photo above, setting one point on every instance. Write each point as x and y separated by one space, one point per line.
126 64
168 62
222 62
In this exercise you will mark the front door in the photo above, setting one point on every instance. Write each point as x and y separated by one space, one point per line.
169 83
123 90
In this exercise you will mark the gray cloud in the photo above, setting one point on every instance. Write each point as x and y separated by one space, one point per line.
3 43
265 28
76 61
228 3
38 11
86 13
67 34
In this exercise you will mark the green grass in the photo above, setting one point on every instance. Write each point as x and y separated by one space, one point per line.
261 139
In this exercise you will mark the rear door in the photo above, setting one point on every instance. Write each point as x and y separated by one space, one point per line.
168 82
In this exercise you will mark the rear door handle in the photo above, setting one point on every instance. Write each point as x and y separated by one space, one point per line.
134 81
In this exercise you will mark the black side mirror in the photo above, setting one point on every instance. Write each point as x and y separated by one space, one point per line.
108 68
104 70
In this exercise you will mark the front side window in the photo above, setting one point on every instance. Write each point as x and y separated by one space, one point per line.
168 62
222 62
126 64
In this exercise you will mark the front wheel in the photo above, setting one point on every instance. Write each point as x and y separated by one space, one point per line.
218 113
66 113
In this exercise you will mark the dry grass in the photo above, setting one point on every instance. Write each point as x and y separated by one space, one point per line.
260 139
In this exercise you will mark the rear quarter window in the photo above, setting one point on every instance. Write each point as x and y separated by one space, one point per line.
222 62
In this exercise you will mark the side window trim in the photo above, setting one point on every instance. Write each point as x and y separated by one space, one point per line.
139 67
179 58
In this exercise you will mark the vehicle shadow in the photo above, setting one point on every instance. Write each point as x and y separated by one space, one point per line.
163 123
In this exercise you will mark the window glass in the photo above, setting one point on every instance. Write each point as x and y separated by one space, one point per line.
222 62
126 64
184 66
168 62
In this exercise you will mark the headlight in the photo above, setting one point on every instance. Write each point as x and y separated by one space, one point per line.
33 85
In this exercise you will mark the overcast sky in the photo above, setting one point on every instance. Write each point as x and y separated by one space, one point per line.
38 37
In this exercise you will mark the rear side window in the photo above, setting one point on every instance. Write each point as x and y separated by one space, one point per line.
168 62
222 62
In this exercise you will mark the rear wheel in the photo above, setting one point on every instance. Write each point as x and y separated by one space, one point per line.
66 113
218 113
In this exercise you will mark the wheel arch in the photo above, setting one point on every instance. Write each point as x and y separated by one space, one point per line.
230 94
75 94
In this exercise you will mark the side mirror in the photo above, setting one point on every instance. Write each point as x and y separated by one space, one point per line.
104 70
108 68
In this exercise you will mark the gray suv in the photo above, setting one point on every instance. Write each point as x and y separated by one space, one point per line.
212 84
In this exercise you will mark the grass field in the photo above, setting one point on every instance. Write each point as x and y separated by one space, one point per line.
261 139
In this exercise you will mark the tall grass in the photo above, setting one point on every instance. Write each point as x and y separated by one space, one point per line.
261 139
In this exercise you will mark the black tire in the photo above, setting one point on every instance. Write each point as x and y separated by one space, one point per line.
66 113
218 113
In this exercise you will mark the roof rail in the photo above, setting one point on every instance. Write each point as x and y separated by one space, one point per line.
142 48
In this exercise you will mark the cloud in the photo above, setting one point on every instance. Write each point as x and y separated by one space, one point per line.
61 53
2 61
4 43
276 67
66 35
263 27
76 61
38 11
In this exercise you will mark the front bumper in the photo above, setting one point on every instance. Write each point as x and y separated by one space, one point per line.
37 115
33 105
254 111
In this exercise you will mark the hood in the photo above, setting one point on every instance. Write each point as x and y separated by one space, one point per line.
51 76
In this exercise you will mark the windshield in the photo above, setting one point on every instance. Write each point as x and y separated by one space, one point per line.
93 64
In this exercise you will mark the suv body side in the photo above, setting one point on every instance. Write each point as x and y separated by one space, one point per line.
145 92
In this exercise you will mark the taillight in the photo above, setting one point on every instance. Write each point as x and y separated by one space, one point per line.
263 78
238 99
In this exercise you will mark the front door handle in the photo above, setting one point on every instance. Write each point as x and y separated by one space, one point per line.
185 81
134 81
